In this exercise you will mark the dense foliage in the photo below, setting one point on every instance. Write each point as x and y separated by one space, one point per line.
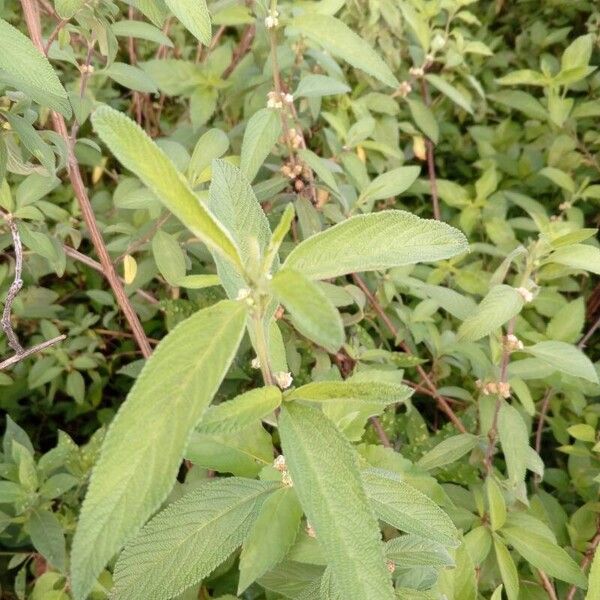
299 299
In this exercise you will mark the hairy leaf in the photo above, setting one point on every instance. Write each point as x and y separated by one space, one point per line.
448 451
152 429
565 358
262 131
195 17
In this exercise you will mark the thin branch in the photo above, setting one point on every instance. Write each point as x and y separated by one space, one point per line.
15 286
9 362
588 557
430 157
540 425
547 585
584 340
32 18
441 401
241 50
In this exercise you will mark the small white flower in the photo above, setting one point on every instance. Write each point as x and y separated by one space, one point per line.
417 71
405 89
513 343
243 293
274 100
310 530
255 364
525 294
283 379
564 205
391 567
504 389
272 19
288 98
279 463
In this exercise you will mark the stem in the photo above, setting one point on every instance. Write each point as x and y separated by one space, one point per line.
262 347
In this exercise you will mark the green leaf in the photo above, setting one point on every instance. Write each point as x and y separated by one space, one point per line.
68 8
450 91
565 358
198 282
578 53
578 256
141 31
524 77
508 569
389 184
240 412
500 305
566 325
320 167
233 202
425 119
418 24
521 101
271 536
338 39
324 391
190 538
399 504
316 86
152 429
376 241
323 467
22 66
582 432
560 178
414 551
496 503
448 451
262 131
514 439
544 554
131 77
212 144
194 16
137 152
47 536
594 579
169 257
313 314
244 452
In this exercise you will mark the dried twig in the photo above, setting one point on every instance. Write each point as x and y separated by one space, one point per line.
241 50
15 286
9 362
588 557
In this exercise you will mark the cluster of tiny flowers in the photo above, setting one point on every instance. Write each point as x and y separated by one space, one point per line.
246 295
283 379
564 205
272 19
86 69
501 388
255 364
391 567
525 294
291 171
405 89
279 465
512 343
277 100
310 530
295 138
417 71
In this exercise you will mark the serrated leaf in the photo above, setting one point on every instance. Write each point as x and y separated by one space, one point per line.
514 439
169 257
376 241
316 86
189 539
565 358
320 167
323 467
338 39
271 536
450 91
501 304
448 451
194 16
313 314
137 152
262 131
241 411
399 504
152 429
22 66
324 391
131 77
566 325
389 184
414 551
544 554
140 30
47 536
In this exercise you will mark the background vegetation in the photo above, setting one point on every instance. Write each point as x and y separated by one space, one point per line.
480 114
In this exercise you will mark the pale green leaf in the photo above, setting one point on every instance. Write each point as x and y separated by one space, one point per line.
271 536
323 467
450 91
524 77
47 536
425 119
313 314
389 184
414 551
399 504
544 554
582 257
514 439
152 429
375 242
137 152
448 451
194 16
521 101
315 86
169 257
496 503
582 432
338 39
212 144
141 31
325 391
594 579
22 66
565 358
198 282
560 178
578 53
566 325
241 411
262 131
501 304
508 569
189 539
320 167
131 77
